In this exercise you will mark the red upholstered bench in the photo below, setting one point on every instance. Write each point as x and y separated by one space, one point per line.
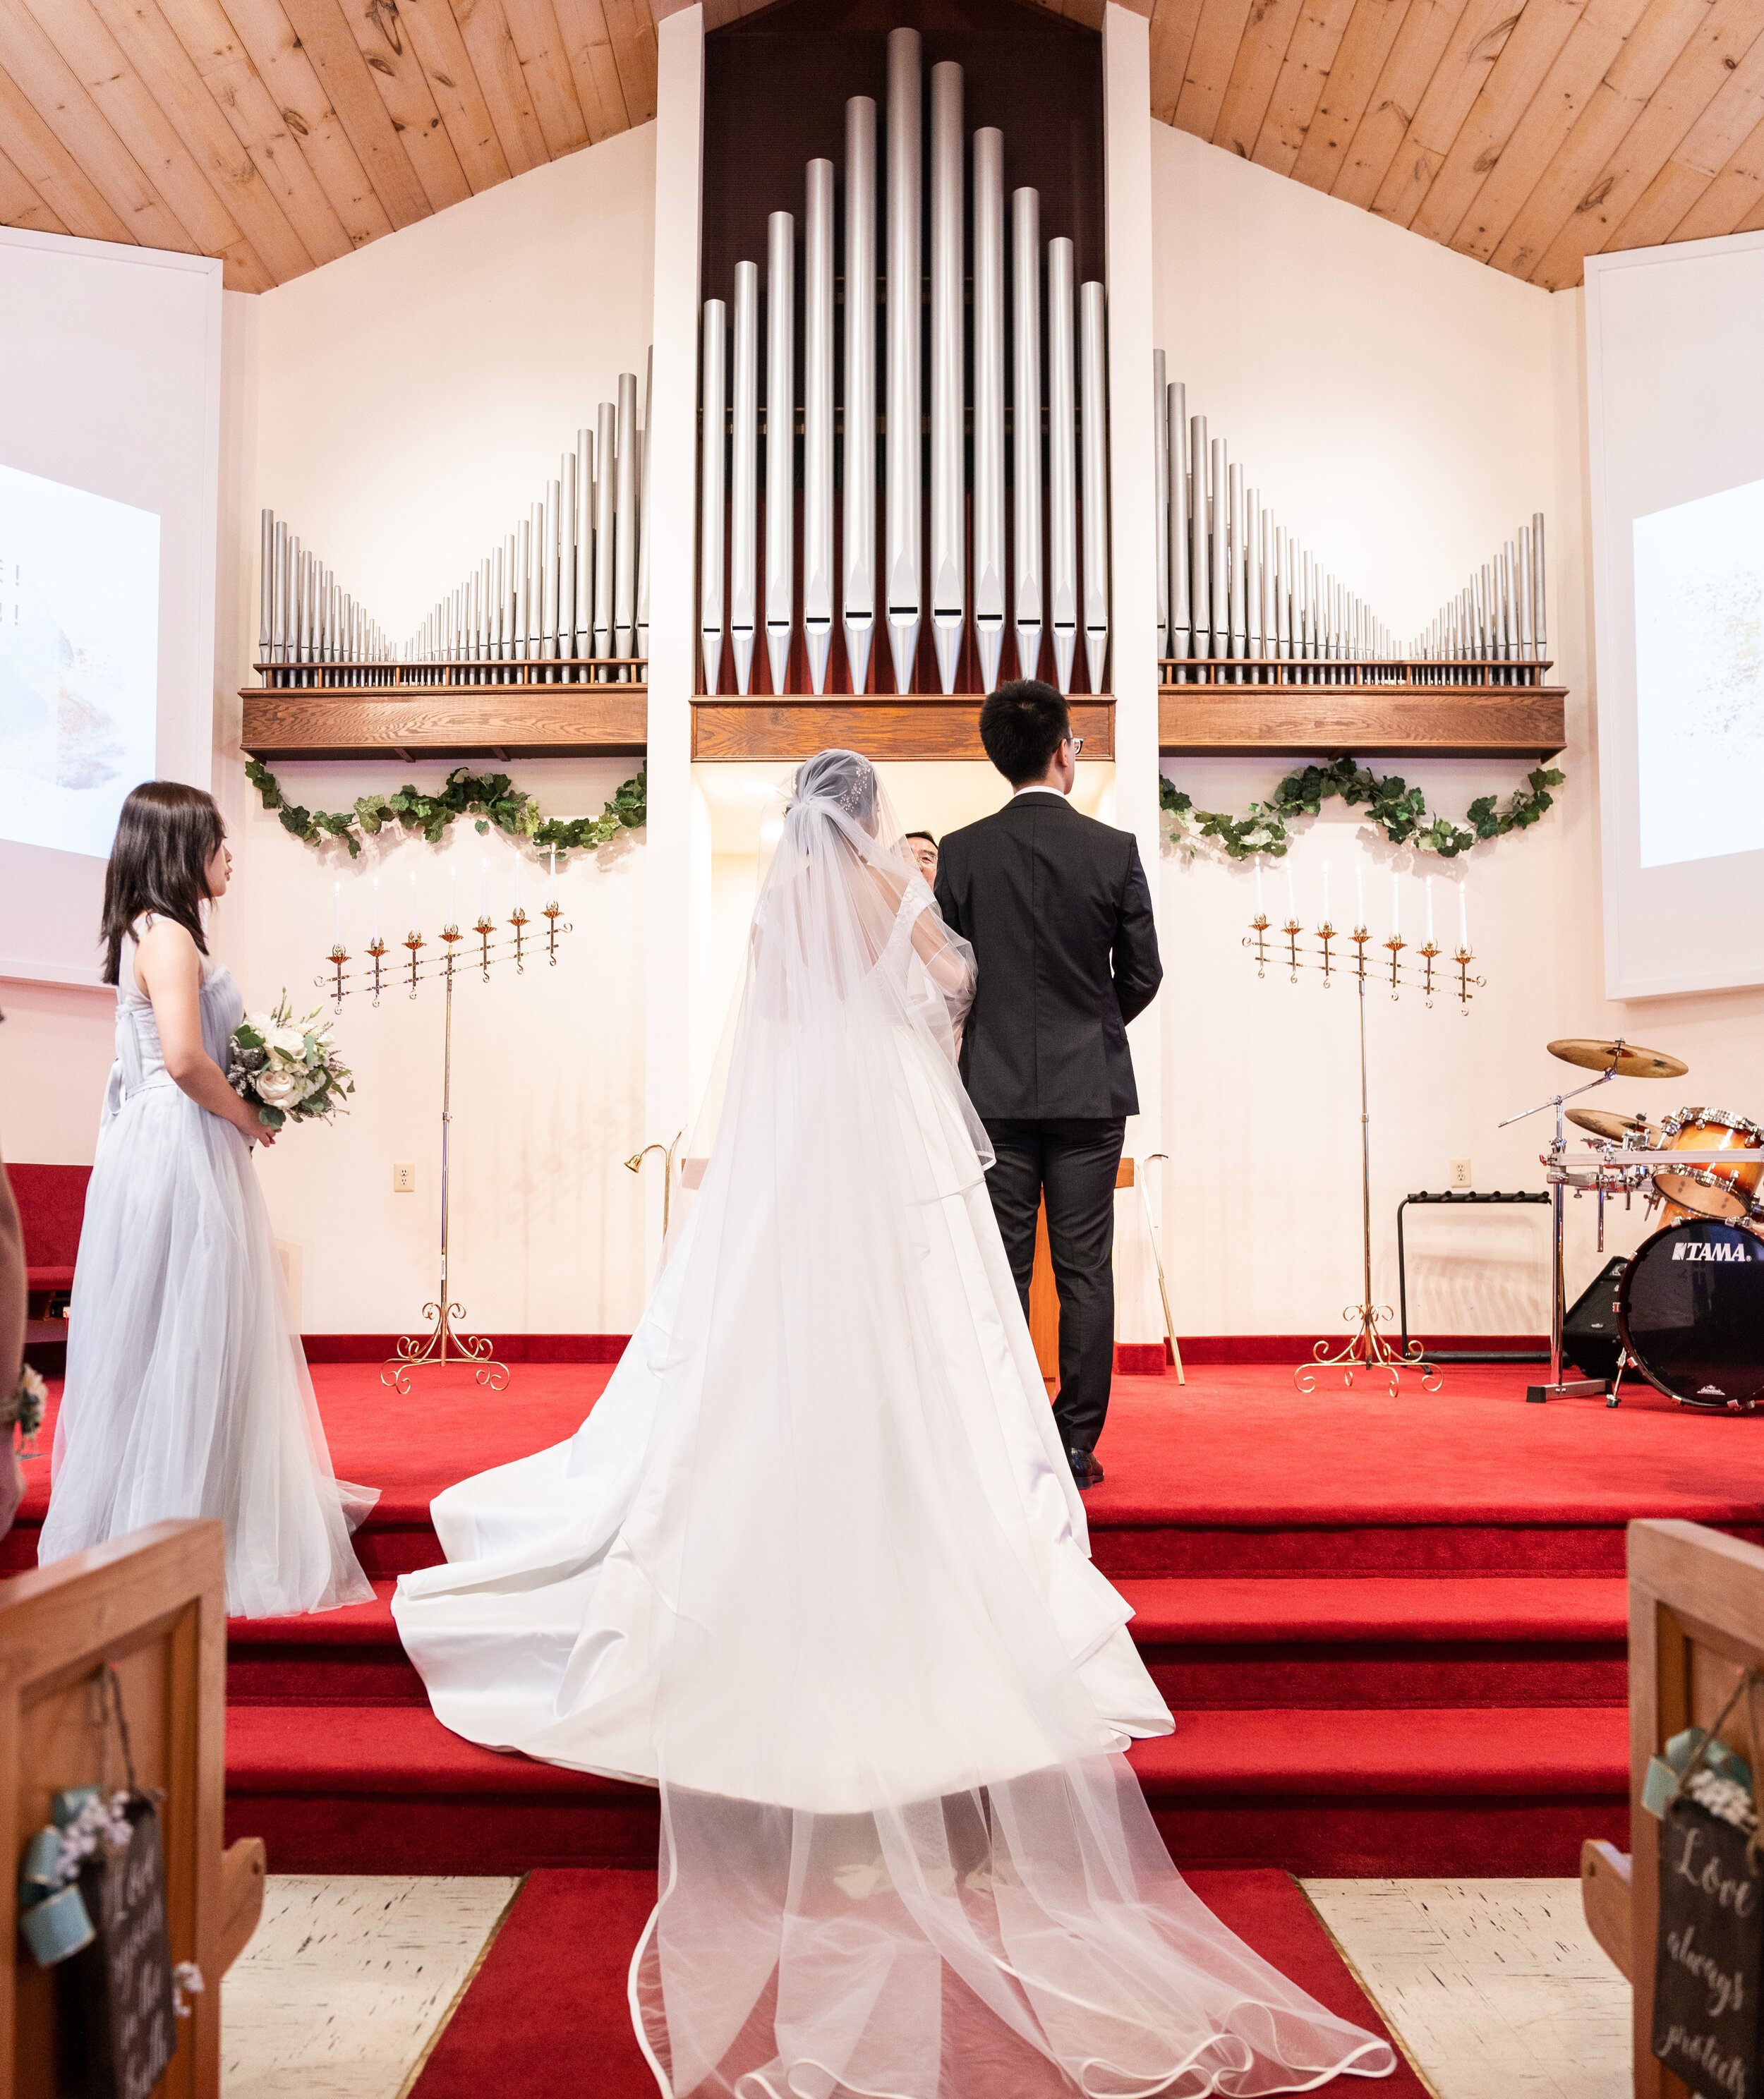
51 1202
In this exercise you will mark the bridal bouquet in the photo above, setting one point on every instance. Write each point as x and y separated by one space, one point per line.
291 1070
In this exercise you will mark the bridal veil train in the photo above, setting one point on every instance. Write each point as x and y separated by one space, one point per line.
816 1567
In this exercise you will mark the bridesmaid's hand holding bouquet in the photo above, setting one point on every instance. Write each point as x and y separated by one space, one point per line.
291 1070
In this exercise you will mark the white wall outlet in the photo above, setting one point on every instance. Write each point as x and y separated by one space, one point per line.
1460 1174
404 1180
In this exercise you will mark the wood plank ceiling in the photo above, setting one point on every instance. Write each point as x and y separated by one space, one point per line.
278 134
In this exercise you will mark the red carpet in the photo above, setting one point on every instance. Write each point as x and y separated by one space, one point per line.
1392 1632
550 1998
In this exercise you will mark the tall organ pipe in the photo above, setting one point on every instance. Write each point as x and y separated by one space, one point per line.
1181 617
584 641
1539 625
606 525
1094 370
1161 507
781 443
1062 461
989 402
1200 534
266 585
1219 562
744 473
901 488
817 421
1239 626
859 600
625 522
1025 425
568 510
643 510
949 577
711 469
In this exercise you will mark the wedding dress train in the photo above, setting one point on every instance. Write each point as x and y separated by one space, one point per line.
816 1567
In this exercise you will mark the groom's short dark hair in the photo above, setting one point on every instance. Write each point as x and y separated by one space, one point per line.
1022 725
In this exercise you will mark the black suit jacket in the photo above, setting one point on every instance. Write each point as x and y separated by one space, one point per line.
1058 911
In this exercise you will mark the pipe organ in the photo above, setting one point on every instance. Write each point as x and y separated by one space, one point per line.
564 598
1238 593
985 525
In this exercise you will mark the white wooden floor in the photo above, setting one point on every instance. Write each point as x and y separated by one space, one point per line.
1496 1986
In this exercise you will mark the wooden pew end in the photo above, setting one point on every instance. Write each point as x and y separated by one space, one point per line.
243 1868
1605 1893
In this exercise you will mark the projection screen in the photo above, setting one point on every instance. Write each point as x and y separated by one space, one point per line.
1676 424
109 467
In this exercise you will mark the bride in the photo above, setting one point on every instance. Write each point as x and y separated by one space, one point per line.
816 1567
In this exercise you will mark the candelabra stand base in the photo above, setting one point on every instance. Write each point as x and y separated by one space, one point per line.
443 1344
1367 1348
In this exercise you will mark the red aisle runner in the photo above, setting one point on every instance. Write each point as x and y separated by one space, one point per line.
547 2016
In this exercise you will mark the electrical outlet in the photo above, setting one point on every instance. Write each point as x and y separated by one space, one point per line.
404 1180
1460 1174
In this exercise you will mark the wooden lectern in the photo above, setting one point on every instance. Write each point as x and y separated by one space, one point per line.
1044 1299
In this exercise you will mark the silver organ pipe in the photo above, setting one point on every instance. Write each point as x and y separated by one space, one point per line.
901 490
817 421
1239 628
1027 612
1181 619
1539 634
625 524
1062 462
583 643
265 586
712 517
948 572
989 402
553 571
605 525
859 580
1218 562
642 517
781 443
1094 379
744 473
523 589
1160 450
1200 534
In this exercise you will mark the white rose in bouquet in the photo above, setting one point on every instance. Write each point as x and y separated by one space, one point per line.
279 1087
288 1042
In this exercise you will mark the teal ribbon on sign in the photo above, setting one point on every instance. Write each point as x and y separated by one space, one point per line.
55 1929
1661 1783
53 1921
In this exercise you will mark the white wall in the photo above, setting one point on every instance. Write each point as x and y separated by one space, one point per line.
1403 409
401 408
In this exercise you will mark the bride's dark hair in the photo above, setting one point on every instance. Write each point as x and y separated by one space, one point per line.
166 835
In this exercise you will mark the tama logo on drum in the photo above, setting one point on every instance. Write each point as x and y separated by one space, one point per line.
1710 1250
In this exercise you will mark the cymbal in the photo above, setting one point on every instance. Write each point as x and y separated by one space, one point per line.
1625 1059
1615 1127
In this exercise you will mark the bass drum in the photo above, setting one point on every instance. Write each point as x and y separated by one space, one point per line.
1691 1311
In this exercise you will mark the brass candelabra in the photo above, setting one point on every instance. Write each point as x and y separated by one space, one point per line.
1366 1347
444 1343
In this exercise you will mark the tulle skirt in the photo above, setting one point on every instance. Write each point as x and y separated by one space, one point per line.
187 1393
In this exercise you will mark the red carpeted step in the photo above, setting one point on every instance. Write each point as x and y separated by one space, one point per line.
351 1656
1384 1640
389 1789
556 1976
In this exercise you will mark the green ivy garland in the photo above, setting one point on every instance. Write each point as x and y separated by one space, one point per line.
1399 811
491 797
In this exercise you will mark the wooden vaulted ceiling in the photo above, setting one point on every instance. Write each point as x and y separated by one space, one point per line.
277 134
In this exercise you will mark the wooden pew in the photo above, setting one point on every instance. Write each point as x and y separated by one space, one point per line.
1696 1624
154 1604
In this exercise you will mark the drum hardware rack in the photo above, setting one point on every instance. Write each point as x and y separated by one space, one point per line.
1456 1196
1367 1347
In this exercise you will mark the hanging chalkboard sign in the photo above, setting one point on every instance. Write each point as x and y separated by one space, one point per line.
117 2017
1710 1960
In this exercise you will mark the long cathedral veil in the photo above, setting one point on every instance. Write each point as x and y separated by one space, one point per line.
902 1856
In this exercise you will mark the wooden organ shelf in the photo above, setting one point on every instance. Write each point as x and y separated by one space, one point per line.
568 707
1374 709
889 728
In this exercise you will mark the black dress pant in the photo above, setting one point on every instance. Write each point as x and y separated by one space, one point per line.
1072 1164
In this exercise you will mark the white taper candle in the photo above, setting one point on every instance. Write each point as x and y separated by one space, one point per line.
1463 919
336 914
376 910
1430 910
1396 912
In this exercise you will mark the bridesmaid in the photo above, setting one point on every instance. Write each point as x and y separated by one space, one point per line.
187 1394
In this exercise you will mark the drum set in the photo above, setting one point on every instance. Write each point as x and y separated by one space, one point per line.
1690 1302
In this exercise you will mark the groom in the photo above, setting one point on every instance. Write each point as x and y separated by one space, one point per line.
1059 913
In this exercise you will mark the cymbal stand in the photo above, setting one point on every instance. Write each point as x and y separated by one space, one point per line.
1556 1174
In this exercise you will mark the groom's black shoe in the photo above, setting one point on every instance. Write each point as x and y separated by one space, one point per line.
1085 1469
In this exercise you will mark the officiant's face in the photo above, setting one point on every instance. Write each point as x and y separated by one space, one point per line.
926 854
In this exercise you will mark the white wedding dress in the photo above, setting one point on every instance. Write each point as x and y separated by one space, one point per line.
187 1393
816 1566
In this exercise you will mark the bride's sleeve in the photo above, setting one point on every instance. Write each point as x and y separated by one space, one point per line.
948 960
